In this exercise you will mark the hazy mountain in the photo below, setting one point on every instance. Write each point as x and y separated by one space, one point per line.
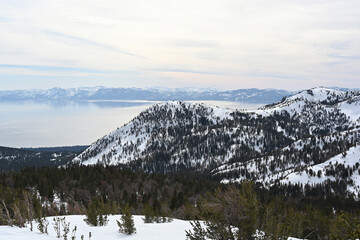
251 95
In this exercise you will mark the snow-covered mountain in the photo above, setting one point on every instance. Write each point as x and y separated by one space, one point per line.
164 133
251 95
266 145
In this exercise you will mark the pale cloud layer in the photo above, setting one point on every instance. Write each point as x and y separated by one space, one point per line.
138 43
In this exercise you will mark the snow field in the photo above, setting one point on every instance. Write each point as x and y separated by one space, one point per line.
174 230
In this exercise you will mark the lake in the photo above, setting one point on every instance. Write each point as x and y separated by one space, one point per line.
57 123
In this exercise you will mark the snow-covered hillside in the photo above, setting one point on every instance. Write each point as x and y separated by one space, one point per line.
148 131
317 101
302 130
294 159
343 166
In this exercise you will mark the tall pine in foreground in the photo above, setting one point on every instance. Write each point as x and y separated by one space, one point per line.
126 223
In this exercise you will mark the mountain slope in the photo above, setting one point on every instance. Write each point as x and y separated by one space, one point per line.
156 130
173 136
186 135
342 167
293 158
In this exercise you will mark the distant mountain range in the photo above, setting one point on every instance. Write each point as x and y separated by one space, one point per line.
311 137
252 95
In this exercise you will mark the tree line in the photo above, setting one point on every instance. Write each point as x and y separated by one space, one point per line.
224 211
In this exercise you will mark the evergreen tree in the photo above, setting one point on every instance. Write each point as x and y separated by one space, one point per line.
198 233
232 214
148 214
126 223
96 213
345 226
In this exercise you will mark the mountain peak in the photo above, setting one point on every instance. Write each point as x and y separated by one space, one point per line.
317 94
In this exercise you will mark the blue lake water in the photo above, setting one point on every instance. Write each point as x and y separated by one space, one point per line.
47 124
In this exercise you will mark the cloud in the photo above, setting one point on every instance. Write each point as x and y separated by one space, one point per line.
189 71
79 41
193 43
5 19
206 42
348 57
50 68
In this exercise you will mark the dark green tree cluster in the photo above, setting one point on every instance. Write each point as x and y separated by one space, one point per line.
345 226
228 215
97 211
155 214
98 191
241 212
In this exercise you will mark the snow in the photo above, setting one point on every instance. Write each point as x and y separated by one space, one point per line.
174 230
316 94
285 168
352 110
134 133
352 157
297 102
149 231
15 233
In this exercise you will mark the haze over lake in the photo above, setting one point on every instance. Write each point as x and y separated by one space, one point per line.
57 123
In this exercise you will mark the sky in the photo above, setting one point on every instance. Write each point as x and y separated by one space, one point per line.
294 44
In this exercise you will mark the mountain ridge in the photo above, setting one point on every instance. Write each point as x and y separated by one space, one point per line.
300 131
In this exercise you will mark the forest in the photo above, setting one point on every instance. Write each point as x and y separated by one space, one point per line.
277 212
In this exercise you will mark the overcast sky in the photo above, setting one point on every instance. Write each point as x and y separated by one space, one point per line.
222 44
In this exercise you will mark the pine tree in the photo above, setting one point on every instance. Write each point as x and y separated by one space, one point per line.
224 212
126 223
148 214
96 213
345 226
199 233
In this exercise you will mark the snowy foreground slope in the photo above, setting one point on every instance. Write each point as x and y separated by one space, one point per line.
150 231
174 230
